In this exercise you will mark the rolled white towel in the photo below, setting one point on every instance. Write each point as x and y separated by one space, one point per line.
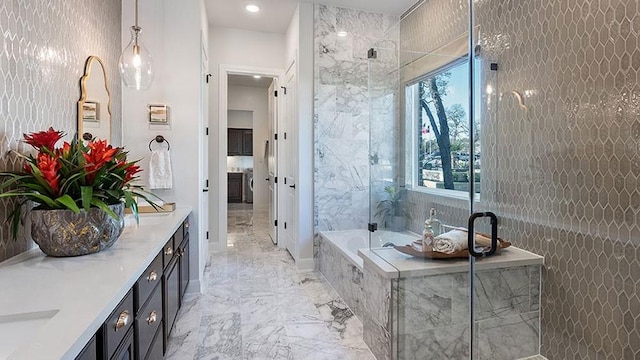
451 242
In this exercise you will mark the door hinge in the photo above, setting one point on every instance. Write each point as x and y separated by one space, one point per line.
373 227
285 136
284 89
206 183
275 223
275 136
285 180
206 131
275 93
207 235
285 225
207 77
275 180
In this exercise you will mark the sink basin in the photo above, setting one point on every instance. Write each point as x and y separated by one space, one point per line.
17 329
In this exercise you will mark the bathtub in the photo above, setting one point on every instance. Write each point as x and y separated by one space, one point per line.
338 260
349 241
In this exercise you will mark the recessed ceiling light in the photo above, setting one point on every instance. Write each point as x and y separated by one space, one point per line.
342 33
257 76
252 8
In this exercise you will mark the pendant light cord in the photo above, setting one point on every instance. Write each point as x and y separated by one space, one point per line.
136 13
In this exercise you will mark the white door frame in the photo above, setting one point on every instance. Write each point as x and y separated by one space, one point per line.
223 106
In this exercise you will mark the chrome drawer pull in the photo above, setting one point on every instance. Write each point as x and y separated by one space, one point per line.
123 320
152 317
186 225
153 276
168 251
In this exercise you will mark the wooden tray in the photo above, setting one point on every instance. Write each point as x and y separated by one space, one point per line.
409 250
145 209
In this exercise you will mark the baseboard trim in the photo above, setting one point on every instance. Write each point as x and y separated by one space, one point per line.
193 287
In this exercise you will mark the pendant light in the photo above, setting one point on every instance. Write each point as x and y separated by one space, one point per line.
136 66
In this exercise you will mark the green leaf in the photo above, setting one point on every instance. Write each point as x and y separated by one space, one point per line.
87 195
15 221
43 198
68 202
101 205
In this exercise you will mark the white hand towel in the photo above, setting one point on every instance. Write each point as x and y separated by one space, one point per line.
450 242
160 176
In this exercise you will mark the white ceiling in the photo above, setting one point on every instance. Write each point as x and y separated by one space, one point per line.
245 80
276 14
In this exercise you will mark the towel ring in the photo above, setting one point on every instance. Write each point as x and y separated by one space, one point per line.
159 139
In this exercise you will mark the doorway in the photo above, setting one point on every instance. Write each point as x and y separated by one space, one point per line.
248 164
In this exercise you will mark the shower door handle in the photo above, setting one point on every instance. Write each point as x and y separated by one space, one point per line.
494 234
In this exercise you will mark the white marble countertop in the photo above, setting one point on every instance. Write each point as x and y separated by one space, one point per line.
83 290
392 264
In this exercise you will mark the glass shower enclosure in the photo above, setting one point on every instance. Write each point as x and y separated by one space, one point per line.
435 103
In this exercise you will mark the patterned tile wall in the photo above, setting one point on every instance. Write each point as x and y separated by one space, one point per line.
341 119
44 47
563 174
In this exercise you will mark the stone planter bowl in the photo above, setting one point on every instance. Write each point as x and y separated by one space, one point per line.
62 233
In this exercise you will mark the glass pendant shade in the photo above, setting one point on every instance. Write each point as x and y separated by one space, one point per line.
136 65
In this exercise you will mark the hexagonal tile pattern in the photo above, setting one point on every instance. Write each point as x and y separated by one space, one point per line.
44 47
564 174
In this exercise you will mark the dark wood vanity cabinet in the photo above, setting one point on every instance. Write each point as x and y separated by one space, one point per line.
138 328
116 328
176 278
149 310
240 142
126 349
90 351
234 193
171 296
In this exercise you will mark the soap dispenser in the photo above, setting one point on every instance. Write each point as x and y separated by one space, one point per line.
432 228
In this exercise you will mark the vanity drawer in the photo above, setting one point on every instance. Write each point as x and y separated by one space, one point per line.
167 252
148 281
117 324
148 322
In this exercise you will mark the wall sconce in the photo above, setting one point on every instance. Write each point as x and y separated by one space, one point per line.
136 66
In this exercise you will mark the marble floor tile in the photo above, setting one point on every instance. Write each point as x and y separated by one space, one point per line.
255 305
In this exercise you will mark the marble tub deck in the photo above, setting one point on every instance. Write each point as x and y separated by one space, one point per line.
255 305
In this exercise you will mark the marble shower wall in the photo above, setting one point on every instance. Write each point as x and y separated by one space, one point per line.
341 120
563 176
46 43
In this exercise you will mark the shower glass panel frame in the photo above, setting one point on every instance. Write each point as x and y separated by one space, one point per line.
436 308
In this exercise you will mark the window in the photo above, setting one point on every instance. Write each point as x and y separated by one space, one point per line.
438 116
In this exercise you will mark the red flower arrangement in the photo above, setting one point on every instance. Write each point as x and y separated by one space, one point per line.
75 176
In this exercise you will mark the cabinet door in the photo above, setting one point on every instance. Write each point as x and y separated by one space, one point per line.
171 297
234 194
184 267
234 139
156 352
247 142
